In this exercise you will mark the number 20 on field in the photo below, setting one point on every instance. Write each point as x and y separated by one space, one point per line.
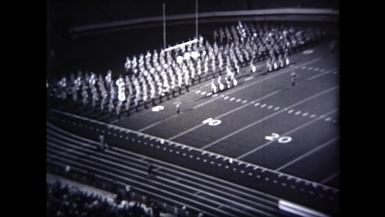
281 139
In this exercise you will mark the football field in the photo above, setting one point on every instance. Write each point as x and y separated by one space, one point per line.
277 134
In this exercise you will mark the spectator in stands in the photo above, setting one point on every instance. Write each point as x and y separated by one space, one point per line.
156 209
66 201
102 143
150 169
67 169
201 214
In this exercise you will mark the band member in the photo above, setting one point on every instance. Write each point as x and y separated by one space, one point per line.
213 86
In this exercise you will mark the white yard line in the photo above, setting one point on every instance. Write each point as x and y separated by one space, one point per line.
291 131
330 177
267 117
255 82
306 154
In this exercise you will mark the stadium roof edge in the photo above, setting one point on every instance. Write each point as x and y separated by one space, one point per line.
204 15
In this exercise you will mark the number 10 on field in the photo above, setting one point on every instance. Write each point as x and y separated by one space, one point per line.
276 136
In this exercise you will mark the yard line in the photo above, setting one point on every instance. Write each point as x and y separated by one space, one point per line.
267 117
248 78
330 177
321 74
223 115
291 131
306 154
158 122
255 82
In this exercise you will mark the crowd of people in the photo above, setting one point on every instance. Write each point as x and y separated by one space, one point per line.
68 201
151 77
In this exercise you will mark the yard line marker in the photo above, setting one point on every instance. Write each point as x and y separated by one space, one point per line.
269 116
238 100
291 131
249 78
198 91
244 101
304 114
208 94
226 97
306 154
256 104
310 68
276 108
263 105
329 177
203 92
258 81
270 106
313 115
298 112
222 95
321 74
232 99
290 111
328 119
